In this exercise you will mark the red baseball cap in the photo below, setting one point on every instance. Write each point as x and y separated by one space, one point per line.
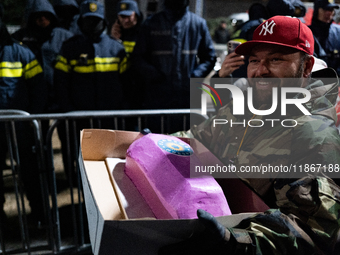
281 30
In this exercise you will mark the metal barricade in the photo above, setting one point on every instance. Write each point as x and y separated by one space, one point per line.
65 230
16 170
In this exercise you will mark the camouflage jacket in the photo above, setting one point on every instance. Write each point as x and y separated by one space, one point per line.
307 206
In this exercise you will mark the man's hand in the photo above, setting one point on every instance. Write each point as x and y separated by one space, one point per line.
231 62
116 30
213 240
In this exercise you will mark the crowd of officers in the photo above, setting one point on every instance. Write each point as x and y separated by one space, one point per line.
64 60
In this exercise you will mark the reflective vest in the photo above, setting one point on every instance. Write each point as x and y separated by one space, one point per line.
21 80
88 74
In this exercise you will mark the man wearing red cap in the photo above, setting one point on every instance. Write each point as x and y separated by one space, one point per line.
305 201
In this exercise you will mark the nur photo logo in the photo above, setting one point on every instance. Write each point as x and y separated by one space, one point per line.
281 93
209 93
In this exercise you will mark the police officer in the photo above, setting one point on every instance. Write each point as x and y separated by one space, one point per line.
125 30
173 46
43 36
126 27
89 67
22 88
326 33
89 70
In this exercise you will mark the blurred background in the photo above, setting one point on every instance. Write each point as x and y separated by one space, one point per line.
233 12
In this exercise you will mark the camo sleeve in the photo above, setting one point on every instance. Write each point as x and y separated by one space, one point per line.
307 221
206 131
307 217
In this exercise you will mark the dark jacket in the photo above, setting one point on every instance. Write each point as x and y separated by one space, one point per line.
21 85
221 35
129 36
128 39
169 51
327 40
44 43
327 46
88 74
294 8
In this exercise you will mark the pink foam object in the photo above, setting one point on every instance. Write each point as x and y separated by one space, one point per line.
163 179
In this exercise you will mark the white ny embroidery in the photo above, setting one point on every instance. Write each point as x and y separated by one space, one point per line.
267 27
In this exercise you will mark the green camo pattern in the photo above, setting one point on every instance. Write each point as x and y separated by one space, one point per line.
306 215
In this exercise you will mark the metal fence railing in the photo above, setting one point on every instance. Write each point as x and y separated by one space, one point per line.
55 148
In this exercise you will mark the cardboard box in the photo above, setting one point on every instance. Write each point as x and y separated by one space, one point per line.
113 228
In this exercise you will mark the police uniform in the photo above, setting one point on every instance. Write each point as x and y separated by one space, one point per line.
22 88
129 36
44 43
128 39
170 51
327 37
88 72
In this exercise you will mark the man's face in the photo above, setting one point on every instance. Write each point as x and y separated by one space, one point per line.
274 62
128 21
42 21
326 15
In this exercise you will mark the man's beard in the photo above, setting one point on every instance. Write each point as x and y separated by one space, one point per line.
262 97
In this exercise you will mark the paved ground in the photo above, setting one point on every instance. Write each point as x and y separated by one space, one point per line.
14 237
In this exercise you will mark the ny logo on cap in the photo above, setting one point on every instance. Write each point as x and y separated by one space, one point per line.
93 7
123 6
267 27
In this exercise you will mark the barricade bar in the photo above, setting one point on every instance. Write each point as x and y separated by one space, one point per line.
97 114
52 238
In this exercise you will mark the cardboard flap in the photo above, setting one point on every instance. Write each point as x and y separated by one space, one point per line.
102 190
110 231
99 144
